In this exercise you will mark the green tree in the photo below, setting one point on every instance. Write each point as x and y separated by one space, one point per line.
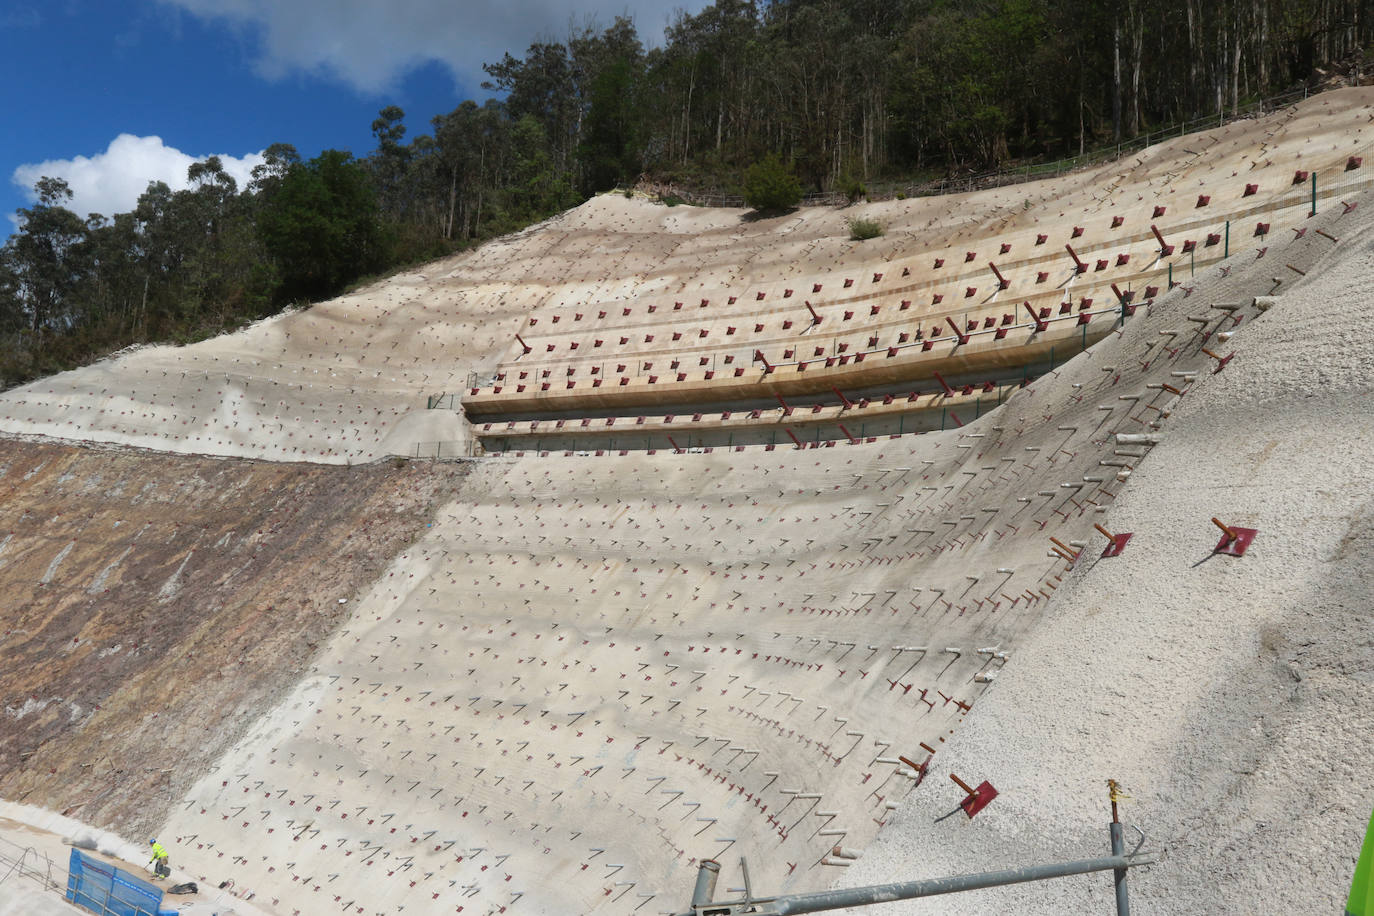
537 187
542 86
271 172
769 185
321 227
607 68
474 147
45 260
390 163
607 150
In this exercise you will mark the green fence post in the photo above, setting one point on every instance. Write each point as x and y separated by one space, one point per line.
1314 195
1226 252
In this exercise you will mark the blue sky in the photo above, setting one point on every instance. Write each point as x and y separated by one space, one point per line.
113 93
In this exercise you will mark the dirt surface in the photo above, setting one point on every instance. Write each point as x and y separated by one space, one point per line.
154 603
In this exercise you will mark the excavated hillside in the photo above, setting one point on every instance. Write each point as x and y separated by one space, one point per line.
155 604
1233 698
701 589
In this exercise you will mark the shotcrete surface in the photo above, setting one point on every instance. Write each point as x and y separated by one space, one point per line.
554 684
349 380
1232 697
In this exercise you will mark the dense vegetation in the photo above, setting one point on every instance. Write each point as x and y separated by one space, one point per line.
836 92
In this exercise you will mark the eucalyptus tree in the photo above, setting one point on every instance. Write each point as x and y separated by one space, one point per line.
541 86
322 227
45 260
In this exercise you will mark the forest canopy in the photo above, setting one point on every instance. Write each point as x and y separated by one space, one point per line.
838 93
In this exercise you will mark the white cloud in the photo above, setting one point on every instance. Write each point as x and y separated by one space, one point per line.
111 182
370 45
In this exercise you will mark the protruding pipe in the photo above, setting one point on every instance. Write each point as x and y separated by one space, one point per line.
708 871
1002 282
1079 265
1165 248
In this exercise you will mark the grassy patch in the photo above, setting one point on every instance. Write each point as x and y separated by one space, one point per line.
861 229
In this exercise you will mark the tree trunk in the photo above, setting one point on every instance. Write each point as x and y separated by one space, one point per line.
1194 57
452 201
1137 22
1219 72
1262 52
1116 78
1235 71
687 113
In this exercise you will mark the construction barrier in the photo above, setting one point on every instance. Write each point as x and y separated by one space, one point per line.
110 891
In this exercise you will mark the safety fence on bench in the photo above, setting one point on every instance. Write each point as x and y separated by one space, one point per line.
102 888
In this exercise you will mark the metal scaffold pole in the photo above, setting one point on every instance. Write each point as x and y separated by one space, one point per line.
1119 862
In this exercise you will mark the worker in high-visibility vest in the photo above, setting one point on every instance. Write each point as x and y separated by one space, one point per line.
161 869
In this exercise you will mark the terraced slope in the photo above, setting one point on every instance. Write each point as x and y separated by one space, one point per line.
559 680
350 380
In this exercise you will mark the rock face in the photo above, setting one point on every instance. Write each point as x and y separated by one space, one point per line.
155 603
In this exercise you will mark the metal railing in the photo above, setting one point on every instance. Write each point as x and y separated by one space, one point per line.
446 450
26 862
1119 862
907 890
443 401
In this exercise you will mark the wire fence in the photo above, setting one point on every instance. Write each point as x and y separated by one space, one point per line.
446 450
996 178
26 863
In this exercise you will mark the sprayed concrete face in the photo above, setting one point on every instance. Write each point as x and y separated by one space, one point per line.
350 380
590 673
594 672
